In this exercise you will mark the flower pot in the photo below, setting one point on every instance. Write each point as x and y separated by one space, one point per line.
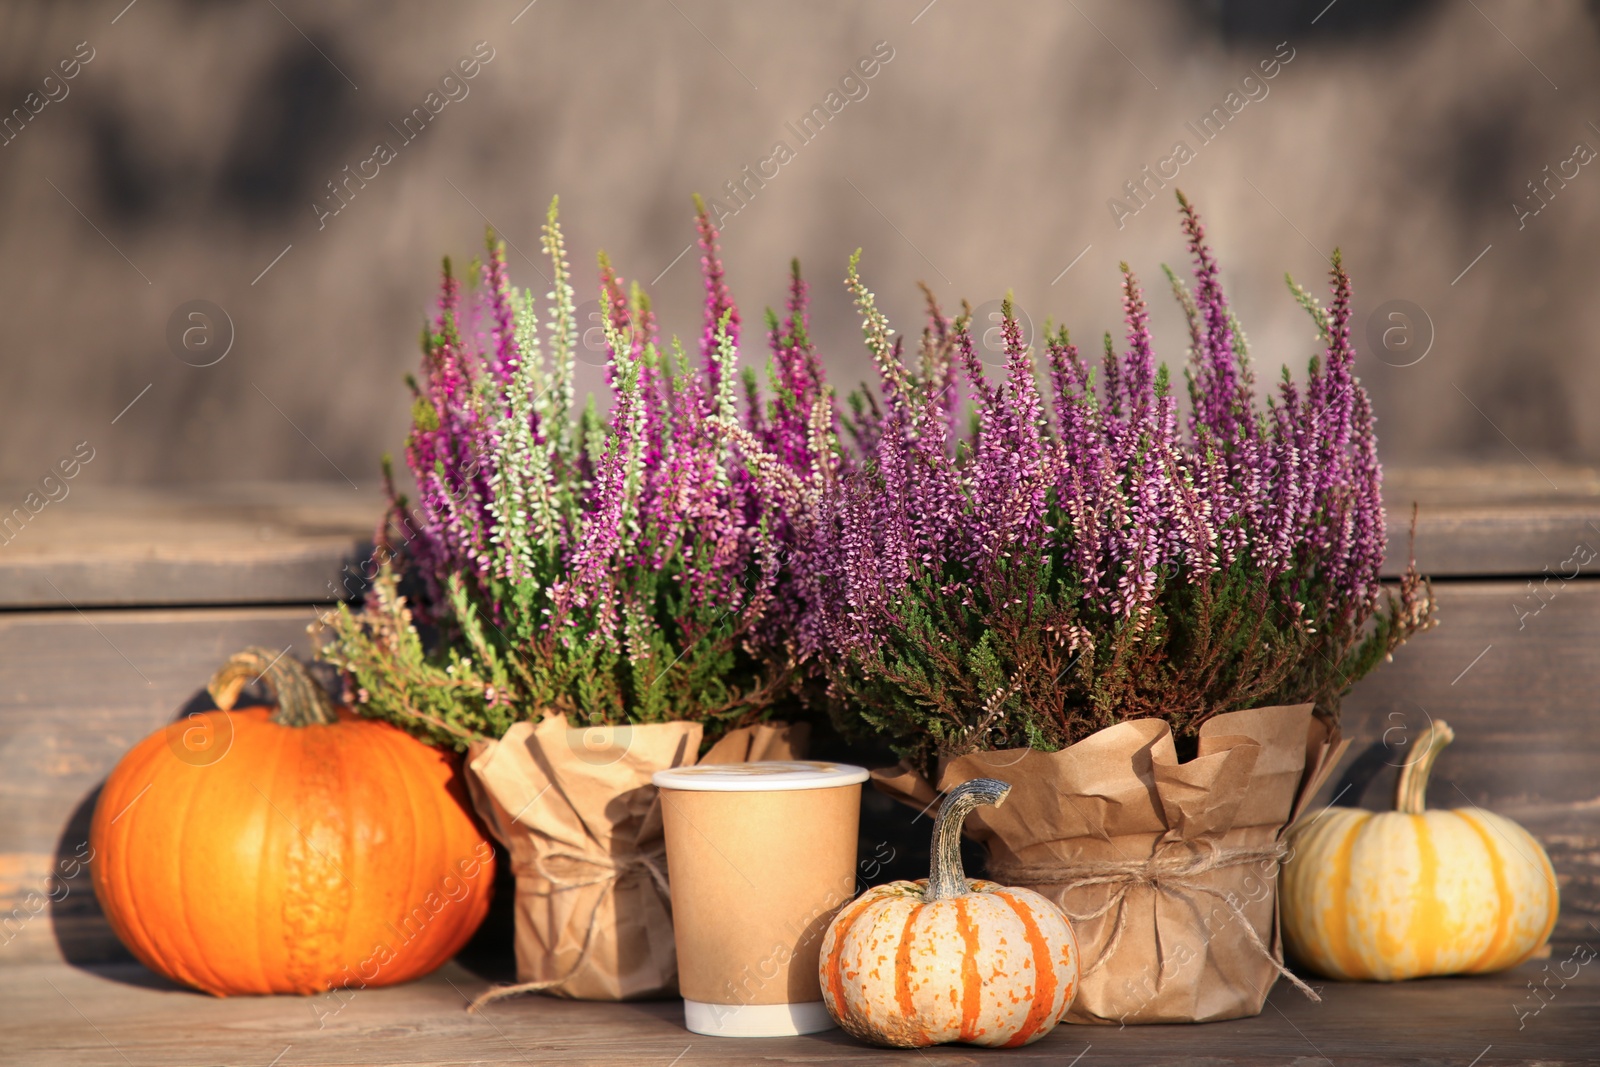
1168 870
575 808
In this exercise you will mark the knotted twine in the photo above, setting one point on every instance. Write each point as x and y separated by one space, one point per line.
613 871
1166 872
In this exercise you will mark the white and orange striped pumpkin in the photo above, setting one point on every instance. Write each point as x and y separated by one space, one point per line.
912 964
1409 893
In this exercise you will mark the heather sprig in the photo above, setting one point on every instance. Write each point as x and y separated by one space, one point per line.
1077 561
620 568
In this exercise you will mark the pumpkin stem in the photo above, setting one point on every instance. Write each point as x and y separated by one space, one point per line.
947 879
301 699
1411 791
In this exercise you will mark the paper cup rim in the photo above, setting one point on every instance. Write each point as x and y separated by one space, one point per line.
760 776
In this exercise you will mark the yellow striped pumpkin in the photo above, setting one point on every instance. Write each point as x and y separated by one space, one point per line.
1409 893
912 964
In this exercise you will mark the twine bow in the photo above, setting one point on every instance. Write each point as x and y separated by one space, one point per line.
1163 872
611 871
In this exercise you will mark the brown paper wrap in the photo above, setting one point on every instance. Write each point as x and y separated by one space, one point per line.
1168 870
576 810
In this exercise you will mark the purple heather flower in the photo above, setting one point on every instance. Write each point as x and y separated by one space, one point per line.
1220 386
1108 485
498 287
719 302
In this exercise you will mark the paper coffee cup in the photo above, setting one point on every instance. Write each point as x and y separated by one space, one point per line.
760 857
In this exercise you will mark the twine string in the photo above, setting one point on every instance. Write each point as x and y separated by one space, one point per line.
1167 872
611 872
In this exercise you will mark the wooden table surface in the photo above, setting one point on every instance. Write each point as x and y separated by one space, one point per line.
122 1014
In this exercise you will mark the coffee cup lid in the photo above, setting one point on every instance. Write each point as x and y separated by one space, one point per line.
765 776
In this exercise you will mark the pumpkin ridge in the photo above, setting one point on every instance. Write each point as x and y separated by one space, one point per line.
347 766
836 955
249 733
426 938
454 833
1340 949
195 826
265 746
455 914
902 966
1502 890
1553 907
450 912
971 983
113 852
289 917
1044 987
269 831
396 922
1427 929
315 885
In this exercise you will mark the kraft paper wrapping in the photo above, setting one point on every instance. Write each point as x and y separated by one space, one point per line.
576 810
1178 856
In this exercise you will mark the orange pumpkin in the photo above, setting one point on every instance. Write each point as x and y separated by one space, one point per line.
287 851
912 964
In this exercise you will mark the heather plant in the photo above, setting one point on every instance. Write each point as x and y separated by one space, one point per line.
1047 568
620 569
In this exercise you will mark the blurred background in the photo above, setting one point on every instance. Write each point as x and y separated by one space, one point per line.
163 153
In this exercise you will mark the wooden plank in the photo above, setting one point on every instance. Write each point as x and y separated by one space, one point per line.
69 1017
77 690
1493 521
106 546
1490 485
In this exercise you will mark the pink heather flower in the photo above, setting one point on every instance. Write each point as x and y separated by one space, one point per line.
503 335
719 302
1222 394
1139 377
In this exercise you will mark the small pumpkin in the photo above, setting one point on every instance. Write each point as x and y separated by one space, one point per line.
1407 893
287 851
941 959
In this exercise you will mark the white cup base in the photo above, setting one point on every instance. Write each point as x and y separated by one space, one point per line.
756 1020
